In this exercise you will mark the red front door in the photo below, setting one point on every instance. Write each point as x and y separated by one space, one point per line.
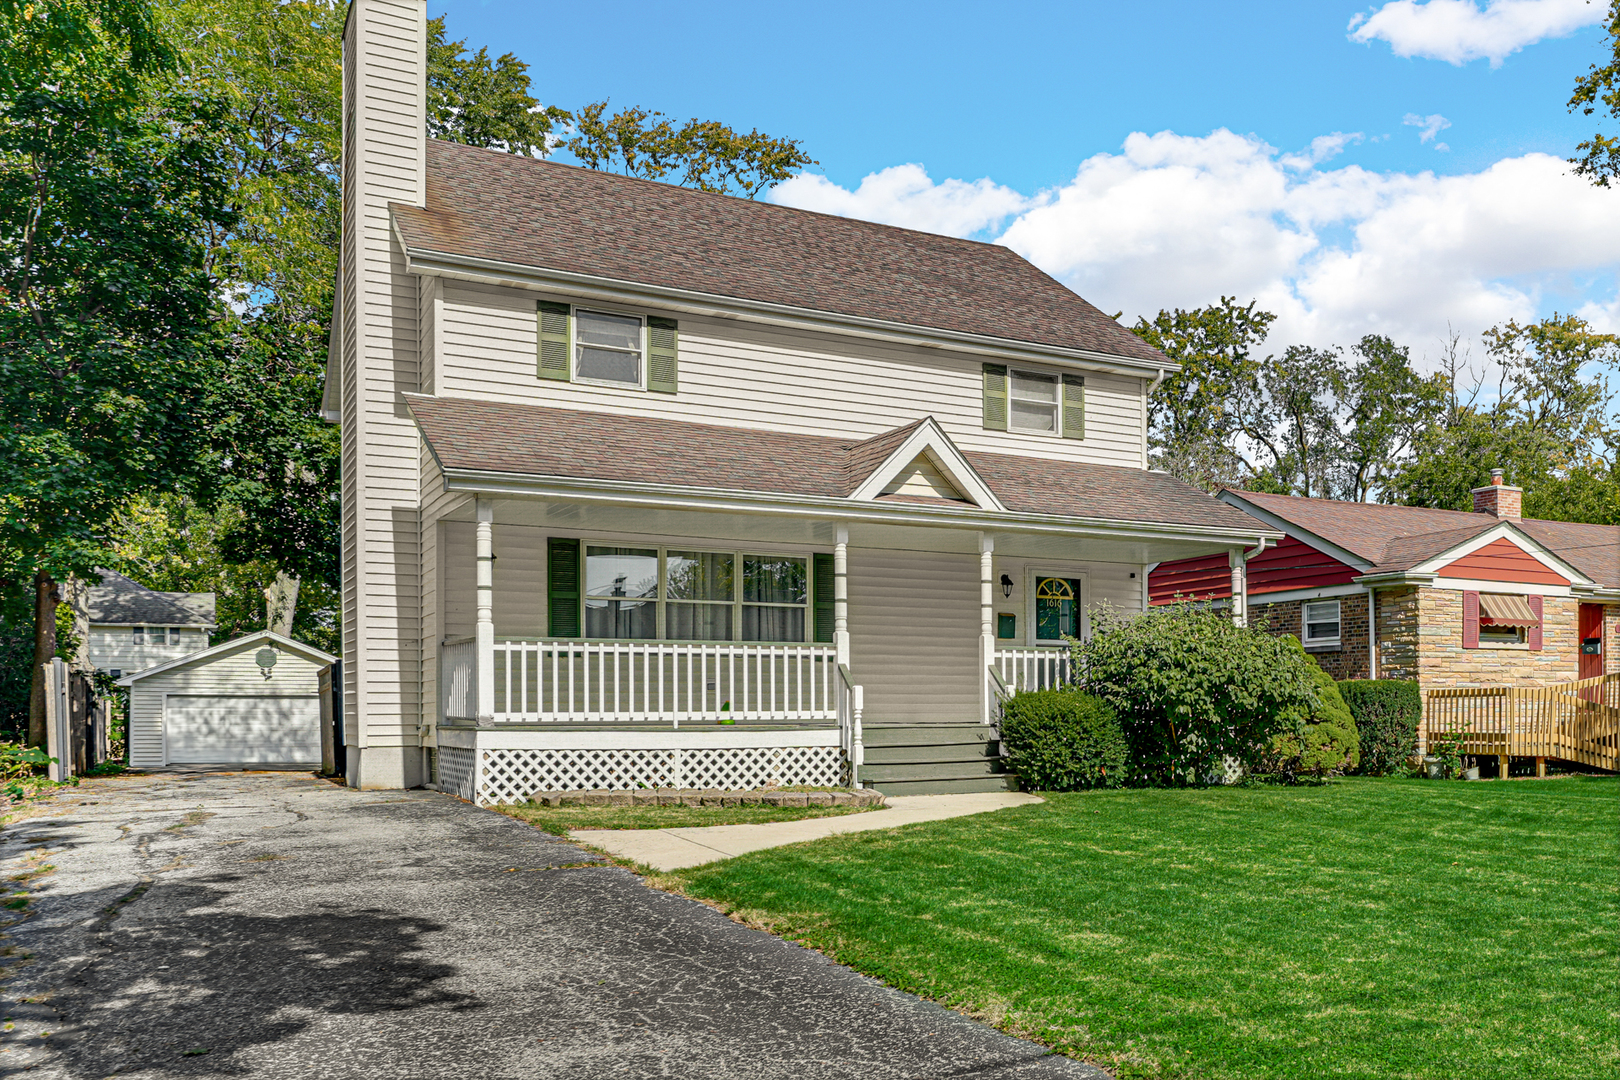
1591 634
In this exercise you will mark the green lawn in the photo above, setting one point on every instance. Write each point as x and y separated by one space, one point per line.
1366 928
559 820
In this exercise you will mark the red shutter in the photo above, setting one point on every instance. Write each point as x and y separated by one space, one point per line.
1470 620
1532 634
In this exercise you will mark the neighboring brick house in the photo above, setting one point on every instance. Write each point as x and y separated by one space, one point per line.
1487 598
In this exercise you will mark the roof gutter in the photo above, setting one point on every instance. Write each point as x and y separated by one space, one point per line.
667 496
611 290
1395 577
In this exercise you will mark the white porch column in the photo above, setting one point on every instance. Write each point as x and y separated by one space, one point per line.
841 594
1240 587
484 635
987 621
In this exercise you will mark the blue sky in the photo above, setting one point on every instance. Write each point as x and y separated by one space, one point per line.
1156 154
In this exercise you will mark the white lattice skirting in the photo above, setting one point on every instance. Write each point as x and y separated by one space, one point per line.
457 767
512 776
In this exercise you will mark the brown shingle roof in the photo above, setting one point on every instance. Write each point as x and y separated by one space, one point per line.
1395 538
530 440
491 205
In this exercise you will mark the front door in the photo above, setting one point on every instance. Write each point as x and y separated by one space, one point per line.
1592 644
1057 609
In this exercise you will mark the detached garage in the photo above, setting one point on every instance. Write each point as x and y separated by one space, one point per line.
252 701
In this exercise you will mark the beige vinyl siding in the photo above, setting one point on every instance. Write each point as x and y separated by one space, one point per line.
914 634
233 673
109 647
520 580
749 375
384 152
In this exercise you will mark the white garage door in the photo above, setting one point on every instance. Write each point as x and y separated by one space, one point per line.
250 730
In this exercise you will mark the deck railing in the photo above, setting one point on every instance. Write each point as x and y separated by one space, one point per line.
645 682
1575 721
1034 667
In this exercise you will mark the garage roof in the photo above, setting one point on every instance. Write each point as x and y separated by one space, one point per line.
235 645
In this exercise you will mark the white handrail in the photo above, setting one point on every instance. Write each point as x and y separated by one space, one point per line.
662 682
1034 667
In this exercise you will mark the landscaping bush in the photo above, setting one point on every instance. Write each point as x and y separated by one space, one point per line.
1193 692
1387 712
1326 743
1063 740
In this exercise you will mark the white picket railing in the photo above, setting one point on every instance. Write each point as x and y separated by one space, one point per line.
1034 667
669 682
458 680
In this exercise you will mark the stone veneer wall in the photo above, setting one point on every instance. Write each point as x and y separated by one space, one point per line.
1443 661
1398 633
1349 660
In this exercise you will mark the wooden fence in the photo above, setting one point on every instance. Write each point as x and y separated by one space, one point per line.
1574 721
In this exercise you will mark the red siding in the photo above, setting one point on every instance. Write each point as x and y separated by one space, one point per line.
1502 560
1287 565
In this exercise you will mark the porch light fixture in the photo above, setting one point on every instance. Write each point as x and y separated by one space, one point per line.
1006 586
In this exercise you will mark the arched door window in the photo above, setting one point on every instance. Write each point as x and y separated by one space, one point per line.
1057 608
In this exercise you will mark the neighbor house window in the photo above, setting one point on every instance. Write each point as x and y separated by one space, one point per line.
156 635
607 348
1322 623
1034 402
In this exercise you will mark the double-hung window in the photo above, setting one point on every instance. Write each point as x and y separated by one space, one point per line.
681 595
156 635
1321 621
607 348
1034 402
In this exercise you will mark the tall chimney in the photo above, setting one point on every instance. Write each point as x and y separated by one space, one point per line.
1498 499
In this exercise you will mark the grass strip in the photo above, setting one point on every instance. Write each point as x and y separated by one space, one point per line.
1364 928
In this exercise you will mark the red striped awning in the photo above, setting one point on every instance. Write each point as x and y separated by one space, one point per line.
1506 609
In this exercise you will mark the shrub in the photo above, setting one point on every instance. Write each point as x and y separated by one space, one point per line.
1326 743
1194 692
1387 712
1063 740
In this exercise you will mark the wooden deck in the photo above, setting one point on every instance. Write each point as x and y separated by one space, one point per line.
1574 721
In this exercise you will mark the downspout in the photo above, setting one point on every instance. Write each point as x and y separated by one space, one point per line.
1372 632
1247 555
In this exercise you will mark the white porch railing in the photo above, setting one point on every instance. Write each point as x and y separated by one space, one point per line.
1034 667
648 682
458 680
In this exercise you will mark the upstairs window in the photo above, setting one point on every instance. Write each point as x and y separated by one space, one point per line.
607 348
157 635
1034 402
1321 623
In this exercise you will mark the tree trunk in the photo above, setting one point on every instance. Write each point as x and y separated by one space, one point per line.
47 595
280 604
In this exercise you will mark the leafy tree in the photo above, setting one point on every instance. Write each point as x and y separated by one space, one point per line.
109 180
1293 420
1599 88
1384 405
480 101
1195 413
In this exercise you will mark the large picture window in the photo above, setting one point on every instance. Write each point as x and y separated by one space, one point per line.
674 594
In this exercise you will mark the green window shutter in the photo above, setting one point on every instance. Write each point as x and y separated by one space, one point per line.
562 587
553 332
662 335
821 596
995 397
1074 406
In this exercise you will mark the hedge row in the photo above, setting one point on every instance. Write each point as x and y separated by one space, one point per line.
1387 712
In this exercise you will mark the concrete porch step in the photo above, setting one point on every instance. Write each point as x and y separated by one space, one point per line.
959 786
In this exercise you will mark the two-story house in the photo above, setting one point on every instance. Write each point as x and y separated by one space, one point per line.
647 486
124 627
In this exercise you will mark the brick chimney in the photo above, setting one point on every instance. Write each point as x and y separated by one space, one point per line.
1497 499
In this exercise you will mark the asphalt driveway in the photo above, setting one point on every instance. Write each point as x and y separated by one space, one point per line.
278 925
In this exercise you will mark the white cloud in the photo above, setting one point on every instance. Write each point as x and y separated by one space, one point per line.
1322 148
1458 31
1429 126
1177 221
904 195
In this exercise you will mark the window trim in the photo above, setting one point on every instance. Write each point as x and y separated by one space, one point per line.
574 346
1305 622
662 600
1057 402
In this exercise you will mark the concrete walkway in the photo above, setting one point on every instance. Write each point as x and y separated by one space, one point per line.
676 849
271 925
